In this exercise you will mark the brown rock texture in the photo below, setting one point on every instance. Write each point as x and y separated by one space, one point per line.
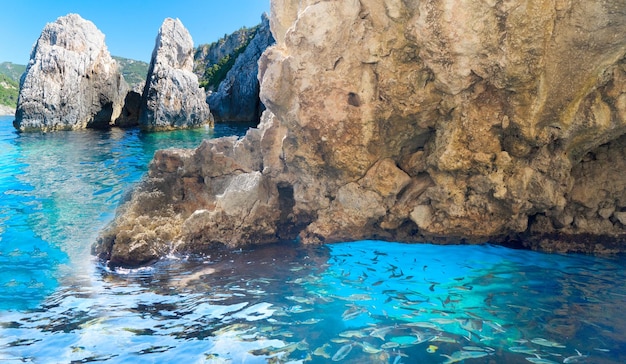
443 121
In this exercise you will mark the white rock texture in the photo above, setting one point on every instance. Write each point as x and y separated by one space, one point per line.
172 98
71 81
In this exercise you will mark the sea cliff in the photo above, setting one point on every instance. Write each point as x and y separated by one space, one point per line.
440 121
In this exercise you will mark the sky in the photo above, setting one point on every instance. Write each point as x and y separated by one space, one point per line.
130 26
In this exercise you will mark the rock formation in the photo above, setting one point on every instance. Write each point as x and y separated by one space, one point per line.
172 98
71 81
237 97
210 54
442 121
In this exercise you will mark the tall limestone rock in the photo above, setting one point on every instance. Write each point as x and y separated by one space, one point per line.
237 97
172 98
438 120
71 81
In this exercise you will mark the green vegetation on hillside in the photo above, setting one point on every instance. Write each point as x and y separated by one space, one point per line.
9 90
134 72
216 73
12 70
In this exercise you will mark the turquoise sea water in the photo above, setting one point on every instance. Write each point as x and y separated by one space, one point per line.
357 302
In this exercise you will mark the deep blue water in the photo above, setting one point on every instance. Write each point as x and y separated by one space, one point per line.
357 302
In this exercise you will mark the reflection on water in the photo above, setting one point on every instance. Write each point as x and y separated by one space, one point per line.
361 302
57 190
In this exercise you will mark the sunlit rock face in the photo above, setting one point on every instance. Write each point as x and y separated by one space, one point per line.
445 121
172 97
71 81
237 97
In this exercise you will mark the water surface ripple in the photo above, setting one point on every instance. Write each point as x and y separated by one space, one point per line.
357 302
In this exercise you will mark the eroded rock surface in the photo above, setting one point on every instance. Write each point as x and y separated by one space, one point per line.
172 98
237 97
444 121
71 81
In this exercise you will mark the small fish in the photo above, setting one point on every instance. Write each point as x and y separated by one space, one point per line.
369 348
444 339
389 345
580 358
495 326
352 313
342 352
474 348
358 297
548 343
353 333
377 283
311 321
463 288
523 350
431 349
381 332
323 351
458 356
421 337
540 360
298 309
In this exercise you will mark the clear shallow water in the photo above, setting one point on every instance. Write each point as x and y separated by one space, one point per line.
355 302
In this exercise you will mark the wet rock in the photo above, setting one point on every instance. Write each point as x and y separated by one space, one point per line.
172 98
71 81
421 122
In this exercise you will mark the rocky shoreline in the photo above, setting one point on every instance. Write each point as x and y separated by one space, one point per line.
6 110
408 122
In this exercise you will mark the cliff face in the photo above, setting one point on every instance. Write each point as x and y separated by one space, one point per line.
445 121
172 97
237 97
71 81
209 54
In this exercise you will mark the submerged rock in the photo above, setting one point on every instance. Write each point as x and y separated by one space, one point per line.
172 98
71 81
410 122
237 97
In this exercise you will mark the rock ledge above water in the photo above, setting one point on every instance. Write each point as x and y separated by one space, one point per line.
409 121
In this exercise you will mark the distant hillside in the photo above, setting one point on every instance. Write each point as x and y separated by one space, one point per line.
134 71
213 61
9 90
12 70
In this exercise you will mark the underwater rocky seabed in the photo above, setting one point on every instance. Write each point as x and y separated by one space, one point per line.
351 302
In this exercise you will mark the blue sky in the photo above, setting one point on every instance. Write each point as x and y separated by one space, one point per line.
130 26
